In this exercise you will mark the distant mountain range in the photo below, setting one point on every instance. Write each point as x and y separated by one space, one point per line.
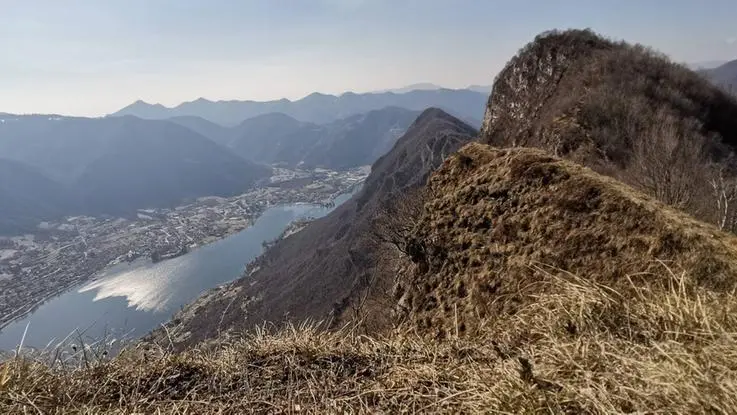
427 86
59 165
153 156
276 138
328 265
317 108
484 89
348 142
696 66
422 86
724 75
54 165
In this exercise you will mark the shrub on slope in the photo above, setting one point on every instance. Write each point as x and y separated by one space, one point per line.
625 111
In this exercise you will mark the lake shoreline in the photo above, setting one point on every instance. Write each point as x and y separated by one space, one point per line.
127 286
100 274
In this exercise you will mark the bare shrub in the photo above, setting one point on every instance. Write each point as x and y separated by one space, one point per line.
396 220
724 194
668 162
389 240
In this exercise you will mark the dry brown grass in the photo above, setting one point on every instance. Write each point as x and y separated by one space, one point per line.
493 212
580 348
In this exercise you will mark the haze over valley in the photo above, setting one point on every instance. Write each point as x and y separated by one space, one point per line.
350 206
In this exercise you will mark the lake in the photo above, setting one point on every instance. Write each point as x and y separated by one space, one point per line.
129 300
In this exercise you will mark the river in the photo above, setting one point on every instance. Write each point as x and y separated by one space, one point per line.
129 300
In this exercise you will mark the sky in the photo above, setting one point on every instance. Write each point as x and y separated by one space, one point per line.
93 57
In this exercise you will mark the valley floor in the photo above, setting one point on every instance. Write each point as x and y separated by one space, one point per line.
34 268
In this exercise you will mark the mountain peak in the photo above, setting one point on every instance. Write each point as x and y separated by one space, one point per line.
435 115
317 95
431 113
404 168
142 103
559 93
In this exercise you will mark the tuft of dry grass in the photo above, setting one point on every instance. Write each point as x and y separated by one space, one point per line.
581 347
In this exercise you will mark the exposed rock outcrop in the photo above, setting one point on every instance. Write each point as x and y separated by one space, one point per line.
623 110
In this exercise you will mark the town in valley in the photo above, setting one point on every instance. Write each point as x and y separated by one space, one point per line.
66 253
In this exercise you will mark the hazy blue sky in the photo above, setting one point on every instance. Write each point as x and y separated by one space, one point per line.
91 57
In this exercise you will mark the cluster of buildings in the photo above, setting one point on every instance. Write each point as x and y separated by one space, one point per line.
60 255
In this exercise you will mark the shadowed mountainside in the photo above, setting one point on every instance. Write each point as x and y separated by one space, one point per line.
113 165
27 197
277 138
320 270
215 132
350 142
724 75
158 164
